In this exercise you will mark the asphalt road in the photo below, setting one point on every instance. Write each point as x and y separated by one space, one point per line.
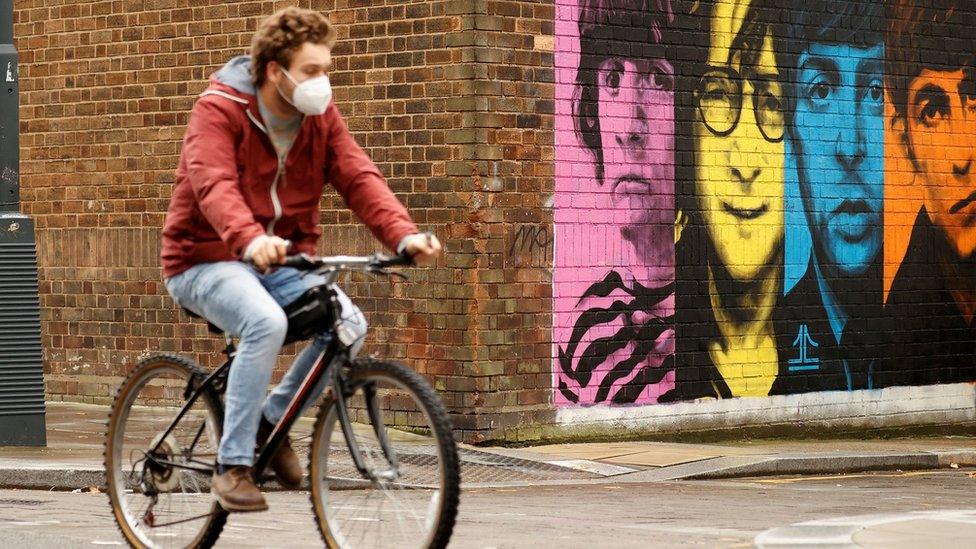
728 513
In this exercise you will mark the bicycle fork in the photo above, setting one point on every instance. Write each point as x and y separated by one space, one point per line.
329 365
372 408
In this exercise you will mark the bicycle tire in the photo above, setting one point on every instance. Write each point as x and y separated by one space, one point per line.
148 368
326 426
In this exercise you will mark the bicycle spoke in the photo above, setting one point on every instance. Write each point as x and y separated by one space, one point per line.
408 510
196 438
184 521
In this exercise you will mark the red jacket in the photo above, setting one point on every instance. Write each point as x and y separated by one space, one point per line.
229 190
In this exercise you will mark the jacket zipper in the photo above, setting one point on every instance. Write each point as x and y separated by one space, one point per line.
279 173
275 201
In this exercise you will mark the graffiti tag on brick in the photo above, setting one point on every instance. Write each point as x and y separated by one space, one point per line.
529 245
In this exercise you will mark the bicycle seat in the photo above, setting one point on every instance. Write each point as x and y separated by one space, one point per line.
213 328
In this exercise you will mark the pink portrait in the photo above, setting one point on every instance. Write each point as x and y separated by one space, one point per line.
614 212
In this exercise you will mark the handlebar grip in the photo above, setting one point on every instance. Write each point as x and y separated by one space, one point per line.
300 261
398 260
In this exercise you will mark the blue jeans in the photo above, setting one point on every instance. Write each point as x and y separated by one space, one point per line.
240 300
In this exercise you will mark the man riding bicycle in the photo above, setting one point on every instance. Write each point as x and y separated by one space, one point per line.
262 142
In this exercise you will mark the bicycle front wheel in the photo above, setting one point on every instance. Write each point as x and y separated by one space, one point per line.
408 494
158 463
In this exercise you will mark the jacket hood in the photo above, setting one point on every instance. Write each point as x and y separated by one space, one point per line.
237 74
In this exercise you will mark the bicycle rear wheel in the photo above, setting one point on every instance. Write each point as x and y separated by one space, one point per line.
160 498
410 500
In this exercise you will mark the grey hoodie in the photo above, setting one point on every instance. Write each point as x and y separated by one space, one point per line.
236 73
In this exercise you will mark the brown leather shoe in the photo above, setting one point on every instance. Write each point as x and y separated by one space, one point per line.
285 463
235 490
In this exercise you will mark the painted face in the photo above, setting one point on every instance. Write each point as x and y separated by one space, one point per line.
941 125
839 134
739 149
636 108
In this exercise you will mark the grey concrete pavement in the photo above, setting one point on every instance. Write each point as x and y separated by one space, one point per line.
76 432
578 495
869 510
73 457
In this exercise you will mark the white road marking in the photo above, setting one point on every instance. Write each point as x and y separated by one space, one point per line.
840 531
595 467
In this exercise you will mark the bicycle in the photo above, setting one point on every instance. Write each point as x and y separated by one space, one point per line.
165 425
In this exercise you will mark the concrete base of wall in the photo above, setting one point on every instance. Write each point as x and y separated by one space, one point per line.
809 414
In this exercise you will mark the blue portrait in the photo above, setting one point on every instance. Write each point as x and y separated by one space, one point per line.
834 230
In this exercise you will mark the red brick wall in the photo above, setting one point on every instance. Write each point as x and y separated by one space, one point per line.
463 140
514 170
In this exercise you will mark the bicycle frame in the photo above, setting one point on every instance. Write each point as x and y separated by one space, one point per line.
337 355
334 354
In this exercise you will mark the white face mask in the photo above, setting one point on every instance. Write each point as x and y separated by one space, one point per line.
312 96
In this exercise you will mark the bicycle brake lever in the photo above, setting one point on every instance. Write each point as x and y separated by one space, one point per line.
382 271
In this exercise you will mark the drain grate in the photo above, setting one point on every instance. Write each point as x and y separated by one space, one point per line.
479 467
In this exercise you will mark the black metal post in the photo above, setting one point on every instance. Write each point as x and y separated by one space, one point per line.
21 373
9 112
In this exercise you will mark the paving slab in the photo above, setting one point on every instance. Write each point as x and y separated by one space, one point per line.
773 457
643 454
923 532
594 451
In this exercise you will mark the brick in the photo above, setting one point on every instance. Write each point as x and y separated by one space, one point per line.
469 103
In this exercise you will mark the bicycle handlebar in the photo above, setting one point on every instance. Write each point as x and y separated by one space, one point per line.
305 262
368 263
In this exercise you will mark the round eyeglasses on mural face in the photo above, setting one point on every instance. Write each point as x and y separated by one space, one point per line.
719 100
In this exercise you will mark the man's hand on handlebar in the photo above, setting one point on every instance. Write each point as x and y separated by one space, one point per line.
267 251
423 248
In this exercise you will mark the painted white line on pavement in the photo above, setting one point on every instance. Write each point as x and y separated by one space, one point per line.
840 531
595 467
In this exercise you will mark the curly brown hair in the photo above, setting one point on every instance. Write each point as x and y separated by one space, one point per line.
280 35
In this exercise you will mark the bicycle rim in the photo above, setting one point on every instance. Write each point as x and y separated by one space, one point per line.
415 502
159 504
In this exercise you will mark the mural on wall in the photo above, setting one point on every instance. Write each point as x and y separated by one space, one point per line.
732 245
934 126
832 315
756 197
614 205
